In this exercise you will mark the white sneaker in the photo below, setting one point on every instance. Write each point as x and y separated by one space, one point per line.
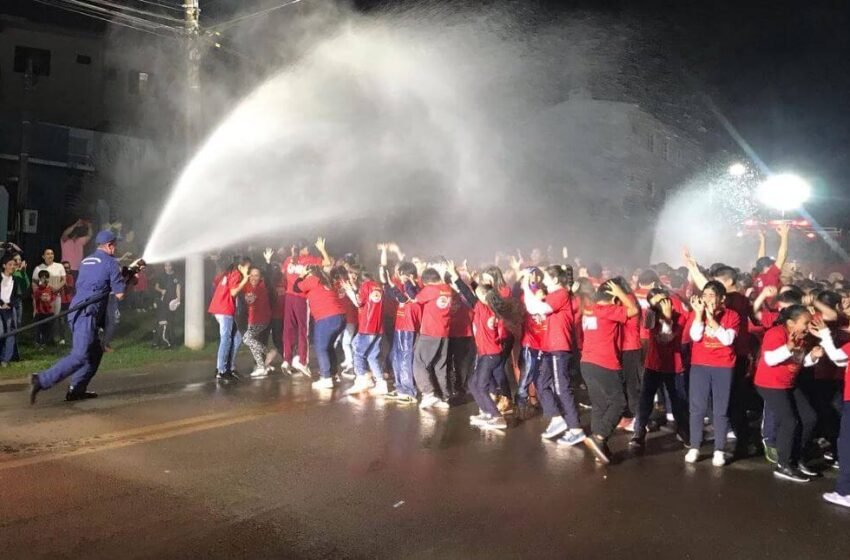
380 388
479 418
719 459
428 401
630 427
324 383
837 499
670 417
442 405
692 456
284 367
259 372
301 368
495 423
348 374
361 385
557 426
730 436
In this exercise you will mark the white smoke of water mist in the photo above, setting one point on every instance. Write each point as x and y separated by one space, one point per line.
707 216
429 128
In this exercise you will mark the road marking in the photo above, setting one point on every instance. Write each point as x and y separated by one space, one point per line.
155 432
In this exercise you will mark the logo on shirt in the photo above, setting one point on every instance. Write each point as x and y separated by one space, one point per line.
491 323
375 296
588 323
250 298
443 302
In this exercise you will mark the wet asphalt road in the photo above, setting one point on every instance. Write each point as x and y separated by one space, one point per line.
167 464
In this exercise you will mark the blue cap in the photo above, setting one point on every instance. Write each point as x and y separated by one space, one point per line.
105 237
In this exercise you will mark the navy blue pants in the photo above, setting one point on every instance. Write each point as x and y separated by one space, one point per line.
325 333
843 485
554 391
402 362
677 391
7 345
82 363
367 355
714 385
531 359
479 384
795 421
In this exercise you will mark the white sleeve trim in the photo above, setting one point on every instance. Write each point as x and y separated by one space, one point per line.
777 356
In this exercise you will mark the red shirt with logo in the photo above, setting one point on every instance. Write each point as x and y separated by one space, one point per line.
489 330
222 303
436 302
290 270
708 351
257 299
601 325
324 302
370 314
561 323
780 376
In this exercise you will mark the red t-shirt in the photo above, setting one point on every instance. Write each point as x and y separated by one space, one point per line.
560 324
351 313
770 278
461 319
708 351
666 357
741 305
69 290
42 299
324 302
408 317
631 330
370 314
601 325
257 299
436 302
533 331
292 273
489 330
780 376
222 303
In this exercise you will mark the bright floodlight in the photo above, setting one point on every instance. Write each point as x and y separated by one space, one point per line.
737 169
784 192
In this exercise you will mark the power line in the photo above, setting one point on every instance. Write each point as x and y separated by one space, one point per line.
107 6
166 6
222 25
109 20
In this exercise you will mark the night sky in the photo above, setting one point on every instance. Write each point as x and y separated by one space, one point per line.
778 70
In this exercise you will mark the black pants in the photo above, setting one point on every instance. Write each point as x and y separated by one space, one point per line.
605 387
741 394
430 364
44 332
461 360
632 380
826 397
795 421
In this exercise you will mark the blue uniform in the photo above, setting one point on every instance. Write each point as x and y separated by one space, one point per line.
99 275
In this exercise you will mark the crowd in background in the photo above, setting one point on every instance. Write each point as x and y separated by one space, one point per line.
758 356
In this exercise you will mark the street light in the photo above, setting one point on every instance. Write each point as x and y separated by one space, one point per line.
784 192
737 169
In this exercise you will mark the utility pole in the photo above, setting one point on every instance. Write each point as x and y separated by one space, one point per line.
194 287
24 155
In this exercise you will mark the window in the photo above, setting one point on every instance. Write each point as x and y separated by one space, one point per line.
138 82
83 59
39 58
